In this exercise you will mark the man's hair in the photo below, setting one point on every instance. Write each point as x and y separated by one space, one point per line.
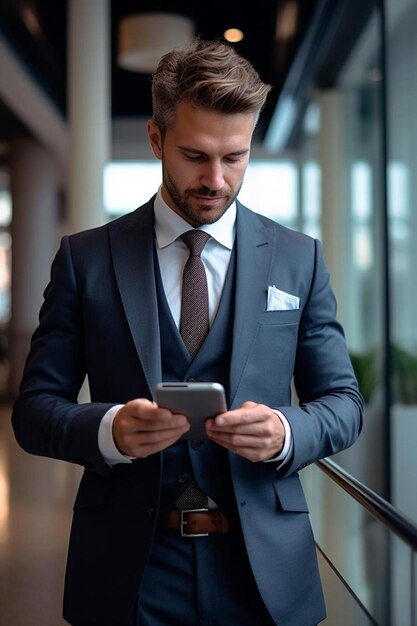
208 74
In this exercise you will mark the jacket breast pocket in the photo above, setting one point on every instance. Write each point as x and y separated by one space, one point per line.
275 318
290 495
92 492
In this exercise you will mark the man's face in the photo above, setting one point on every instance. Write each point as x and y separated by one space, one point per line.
204 158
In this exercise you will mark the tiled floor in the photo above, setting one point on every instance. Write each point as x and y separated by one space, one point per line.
36 498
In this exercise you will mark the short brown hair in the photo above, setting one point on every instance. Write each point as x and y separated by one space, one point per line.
208 74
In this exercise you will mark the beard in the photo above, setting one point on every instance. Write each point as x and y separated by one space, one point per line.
200 214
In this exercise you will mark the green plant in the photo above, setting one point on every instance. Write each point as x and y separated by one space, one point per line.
366 372
404 375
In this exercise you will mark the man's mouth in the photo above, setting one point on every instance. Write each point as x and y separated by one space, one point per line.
210 198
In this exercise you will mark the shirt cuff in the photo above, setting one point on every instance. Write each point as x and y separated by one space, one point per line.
286 451
106 444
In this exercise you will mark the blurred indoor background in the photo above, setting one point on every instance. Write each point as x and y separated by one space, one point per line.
333 156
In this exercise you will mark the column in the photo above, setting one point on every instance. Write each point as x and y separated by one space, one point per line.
89 110
35 182
335 195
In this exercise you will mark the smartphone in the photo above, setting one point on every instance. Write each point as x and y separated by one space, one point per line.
198 401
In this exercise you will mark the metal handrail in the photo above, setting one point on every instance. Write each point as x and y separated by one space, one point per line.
375 504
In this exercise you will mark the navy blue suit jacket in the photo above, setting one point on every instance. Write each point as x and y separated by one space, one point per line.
100 318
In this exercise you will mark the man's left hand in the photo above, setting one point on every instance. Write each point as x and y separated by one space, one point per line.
253 431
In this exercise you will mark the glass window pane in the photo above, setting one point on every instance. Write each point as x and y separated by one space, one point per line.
271 188
401 20
128 185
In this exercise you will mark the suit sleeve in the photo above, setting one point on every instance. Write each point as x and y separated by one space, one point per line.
329 416
46 418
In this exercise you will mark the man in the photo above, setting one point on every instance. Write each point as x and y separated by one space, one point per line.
113 311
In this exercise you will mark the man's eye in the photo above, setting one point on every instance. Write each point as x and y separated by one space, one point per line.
193 157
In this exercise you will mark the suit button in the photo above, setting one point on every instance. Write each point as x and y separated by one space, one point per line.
182 478
196 444
191 380
150 511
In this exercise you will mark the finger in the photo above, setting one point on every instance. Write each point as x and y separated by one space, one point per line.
145 443
144 409
161 431
251 452
248 413
264 428
159 423
238 441
137 406
254 454
145 415
271 442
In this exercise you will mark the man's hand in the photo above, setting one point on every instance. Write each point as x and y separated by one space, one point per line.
141 428
253 430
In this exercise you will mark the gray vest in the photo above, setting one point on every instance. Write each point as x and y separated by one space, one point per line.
201 460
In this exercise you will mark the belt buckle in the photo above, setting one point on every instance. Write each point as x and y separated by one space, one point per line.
183 522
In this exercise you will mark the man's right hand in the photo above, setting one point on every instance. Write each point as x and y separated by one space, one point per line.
141 428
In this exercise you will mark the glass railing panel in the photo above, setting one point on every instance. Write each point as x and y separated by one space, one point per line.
357 544
342 606
401 582
414 587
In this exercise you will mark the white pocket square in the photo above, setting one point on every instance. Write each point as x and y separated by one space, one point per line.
281 300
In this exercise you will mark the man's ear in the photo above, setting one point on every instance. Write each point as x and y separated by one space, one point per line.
155 139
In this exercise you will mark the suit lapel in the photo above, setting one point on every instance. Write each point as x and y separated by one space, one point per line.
132 246
254 247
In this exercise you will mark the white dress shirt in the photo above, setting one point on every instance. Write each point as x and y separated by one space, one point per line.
172 256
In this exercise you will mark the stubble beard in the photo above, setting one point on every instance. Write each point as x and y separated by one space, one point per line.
205 214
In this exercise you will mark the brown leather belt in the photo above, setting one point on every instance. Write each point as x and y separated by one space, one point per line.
197 522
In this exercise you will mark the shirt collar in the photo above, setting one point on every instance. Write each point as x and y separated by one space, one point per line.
169 225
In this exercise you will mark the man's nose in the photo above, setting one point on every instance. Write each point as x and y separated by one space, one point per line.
212 176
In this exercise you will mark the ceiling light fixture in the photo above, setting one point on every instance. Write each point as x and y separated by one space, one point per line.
233 35
144 38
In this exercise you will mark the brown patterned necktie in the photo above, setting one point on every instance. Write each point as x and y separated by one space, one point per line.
194 322
194 326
